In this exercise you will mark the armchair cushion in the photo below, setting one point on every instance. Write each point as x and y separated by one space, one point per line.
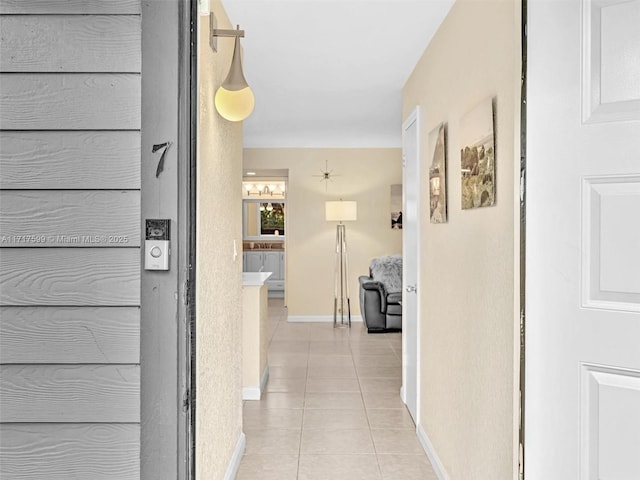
394 297
394 309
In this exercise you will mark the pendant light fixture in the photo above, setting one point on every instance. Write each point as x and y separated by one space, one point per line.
234 99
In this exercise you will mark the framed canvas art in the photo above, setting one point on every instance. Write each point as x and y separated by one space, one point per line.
437 174
477 156
396 207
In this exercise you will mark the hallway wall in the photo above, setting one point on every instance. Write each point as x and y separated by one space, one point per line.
361 174
468 269
219 279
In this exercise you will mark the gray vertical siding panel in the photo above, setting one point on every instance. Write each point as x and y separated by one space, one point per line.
68 101
89 218
71 7
70 117
70 393
70 276
70 160
61 335
32 451
70 43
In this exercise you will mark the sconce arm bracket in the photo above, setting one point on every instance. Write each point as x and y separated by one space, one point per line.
219 32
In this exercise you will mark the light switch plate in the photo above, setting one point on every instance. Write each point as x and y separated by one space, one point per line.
203 7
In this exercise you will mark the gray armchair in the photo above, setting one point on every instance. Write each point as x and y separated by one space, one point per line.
381 295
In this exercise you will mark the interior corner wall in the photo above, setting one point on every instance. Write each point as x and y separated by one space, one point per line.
361 174
219 278
468 271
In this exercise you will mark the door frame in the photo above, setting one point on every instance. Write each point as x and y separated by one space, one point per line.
167 433
521 333
413 117
187 215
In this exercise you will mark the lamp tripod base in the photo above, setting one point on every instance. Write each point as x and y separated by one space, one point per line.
339 319
341 301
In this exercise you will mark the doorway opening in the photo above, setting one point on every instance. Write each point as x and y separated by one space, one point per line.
264 226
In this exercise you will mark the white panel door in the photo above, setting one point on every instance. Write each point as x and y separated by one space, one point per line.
582 408
411 261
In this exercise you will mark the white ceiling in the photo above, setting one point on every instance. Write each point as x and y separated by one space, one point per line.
329 73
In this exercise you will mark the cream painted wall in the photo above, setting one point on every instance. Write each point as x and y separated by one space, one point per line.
363 175
469 275
219 277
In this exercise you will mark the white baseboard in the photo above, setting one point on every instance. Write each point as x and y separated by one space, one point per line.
441 473
402 395
255 393
318 318
236 458
264 379
251 393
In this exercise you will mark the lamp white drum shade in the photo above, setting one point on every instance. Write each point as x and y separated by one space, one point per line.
341 211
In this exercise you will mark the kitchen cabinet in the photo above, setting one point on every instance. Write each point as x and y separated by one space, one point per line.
266 261
253 262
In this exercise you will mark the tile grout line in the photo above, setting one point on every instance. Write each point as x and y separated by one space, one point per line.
368 349
304 406
366 411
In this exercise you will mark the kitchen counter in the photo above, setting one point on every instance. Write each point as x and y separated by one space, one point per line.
254 279
255 341
263 250
262 246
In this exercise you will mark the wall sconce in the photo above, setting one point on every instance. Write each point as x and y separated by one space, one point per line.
234 99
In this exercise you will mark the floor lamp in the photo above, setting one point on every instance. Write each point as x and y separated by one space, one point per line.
341 212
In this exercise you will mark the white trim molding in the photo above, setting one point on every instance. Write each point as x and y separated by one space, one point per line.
251 393
236 458
438 468
255 393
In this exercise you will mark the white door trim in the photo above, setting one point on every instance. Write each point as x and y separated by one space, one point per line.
414 117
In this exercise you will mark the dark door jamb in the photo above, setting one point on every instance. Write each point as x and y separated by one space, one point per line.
187 125
523 230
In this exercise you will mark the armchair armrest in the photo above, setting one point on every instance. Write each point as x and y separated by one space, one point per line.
367 284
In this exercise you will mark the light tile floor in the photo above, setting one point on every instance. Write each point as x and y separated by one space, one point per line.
332 408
